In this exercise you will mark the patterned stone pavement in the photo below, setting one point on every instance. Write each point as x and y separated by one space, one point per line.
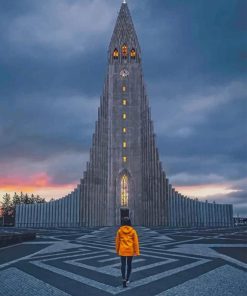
172 263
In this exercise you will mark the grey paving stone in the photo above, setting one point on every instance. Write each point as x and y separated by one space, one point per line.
15 282
222 281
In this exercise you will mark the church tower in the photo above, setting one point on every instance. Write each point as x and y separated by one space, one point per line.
119 172
124 176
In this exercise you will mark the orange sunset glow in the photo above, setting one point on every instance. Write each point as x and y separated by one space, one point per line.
40 184
205 190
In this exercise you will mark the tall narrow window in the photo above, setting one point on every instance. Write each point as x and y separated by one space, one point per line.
124 116
124 102
124 130
124 88
124 144
124 51
115 54
124 158
124 191
133 53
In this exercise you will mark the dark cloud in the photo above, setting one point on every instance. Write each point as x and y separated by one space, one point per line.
53 58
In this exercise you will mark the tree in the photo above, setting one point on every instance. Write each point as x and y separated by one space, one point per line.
7 209
9 203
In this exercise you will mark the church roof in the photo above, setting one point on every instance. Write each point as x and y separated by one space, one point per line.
124 31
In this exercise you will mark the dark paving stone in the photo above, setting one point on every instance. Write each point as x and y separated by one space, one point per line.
236 253
14 252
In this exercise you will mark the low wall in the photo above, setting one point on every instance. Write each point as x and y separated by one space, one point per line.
15 238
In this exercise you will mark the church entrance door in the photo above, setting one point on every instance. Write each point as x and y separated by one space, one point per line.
124 213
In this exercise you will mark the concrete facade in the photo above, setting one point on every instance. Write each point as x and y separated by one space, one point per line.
124 173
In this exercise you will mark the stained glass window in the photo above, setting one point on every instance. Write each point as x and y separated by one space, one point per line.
124 130
124 158
124 102
124 116
124 191
124 144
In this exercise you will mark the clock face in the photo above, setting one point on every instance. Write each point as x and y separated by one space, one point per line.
124 73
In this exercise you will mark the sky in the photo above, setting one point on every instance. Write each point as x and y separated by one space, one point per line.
53 58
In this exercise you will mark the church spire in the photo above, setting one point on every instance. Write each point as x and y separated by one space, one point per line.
124 34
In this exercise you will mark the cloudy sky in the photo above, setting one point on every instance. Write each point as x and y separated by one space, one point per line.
53 57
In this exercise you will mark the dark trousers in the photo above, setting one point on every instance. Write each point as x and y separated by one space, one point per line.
123 266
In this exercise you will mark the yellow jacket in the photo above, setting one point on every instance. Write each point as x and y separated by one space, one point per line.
127 243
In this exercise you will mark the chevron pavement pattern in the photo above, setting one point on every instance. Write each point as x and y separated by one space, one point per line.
172 262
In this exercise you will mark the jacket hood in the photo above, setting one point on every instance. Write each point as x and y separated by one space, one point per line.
126 229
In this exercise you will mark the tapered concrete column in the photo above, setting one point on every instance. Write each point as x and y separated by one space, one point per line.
39 215
51 218
187 211
180 210
172 207
70 209
44 214
63 211
201 214
33 216
211 215
194 212
20 215
80 207
58 210
223 215
176 208
36 215
226 215
204 214
197 212
218 215
73 209
26 215
66 212
54 214
231 215
17 208
190 213
48 215
77 208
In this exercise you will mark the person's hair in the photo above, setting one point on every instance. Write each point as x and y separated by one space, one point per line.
126 221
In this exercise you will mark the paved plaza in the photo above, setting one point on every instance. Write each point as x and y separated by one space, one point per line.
84 262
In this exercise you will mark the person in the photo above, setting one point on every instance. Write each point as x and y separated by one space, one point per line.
127 246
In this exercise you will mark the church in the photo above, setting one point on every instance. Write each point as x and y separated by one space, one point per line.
124 175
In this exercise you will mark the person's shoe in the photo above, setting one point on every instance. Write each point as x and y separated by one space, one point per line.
127 282
124 283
